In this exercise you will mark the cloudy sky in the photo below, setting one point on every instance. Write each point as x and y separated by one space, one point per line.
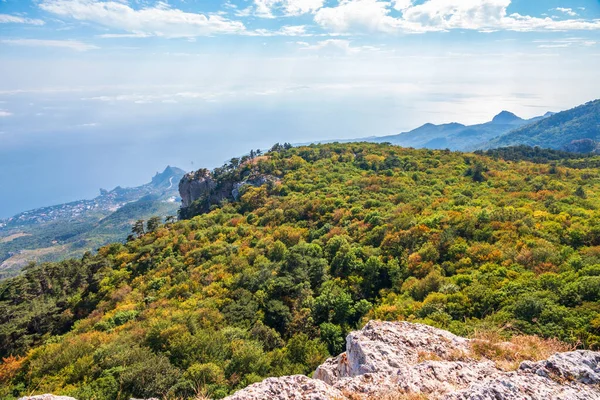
104 93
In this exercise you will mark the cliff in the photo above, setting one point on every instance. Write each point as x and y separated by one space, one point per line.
201 189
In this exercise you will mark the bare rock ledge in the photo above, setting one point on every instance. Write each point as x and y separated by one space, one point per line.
386 360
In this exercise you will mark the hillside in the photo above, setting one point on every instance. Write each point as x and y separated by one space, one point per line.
69 230
455 136
269 282
558 131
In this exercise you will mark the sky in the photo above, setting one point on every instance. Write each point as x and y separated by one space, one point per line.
104 93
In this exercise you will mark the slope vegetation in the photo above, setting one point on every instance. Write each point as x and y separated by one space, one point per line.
557 131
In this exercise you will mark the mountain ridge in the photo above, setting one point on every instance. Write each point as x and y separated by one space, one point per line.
556 131
454 135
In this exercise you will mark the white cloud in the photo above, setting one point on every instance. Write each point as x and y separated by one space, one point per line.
438 15
566 42
267 8
568 11
554 46
68 44
4 113
336 45
371 15
402 5
288 30
123 35
13 19
159 20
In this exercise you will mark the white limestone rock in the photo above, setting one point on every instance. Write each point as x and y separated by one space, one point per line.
295 387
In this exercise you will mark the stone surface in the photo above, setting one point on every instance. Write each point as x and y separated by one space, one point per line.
388 359
195 185
582 366
384 347
47 397
525 386
293 387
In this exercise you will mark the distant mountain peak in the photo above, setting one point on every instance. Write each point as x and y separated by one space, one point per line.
575 129
506 117
168 176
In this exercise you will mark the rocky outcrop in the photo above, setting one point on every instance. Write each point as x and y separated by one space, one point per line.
202 186
391 359
196 185
47 397
288 388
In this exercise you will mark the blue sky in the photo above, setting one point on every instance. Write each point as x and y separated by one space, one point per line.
104 93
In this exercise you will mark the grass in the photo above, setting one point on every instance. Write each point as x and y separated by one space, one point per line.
508 355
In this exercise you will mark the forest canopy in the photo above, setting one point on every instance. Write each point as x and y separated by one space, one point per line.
270 284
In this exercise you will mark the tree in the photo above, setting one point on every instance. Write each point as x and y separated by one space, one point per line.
333 336
153 224
580 192
234 163
138 228
476 172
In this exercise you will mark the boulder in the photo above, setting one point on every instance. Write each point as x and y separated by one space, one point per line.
293 387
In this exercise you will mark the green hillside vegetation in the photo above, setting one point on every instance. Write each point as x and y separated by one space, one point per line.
556 131
270 285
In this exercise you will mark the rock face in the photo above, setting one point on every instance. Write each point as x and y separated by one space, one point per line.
202 185
288 388
195 185
392 359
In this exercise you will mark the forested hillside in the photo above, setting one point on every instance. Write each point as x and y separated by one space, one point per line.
557 131
270 284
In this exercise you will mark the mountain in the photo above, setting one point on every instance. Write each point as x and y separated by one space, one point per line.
271 280
506 117
68 230
455 136
558 131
